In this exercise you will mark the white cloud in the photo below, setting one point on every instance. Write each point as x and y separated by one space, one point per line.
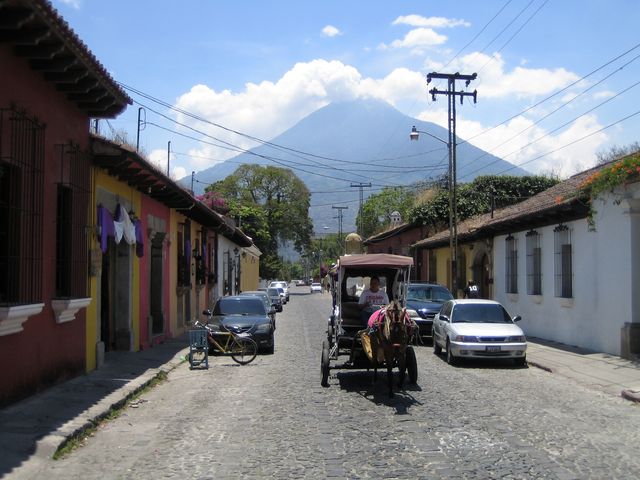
158 157
498 141
603 94
331 31
432 22
419 38
72 3
269 108
495 81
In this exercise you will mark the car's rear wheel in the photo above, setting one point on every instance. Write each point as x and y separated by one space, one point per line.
437 349
451 360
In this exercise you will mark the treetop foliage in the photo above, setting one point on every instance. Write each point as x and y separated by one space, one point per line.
270 204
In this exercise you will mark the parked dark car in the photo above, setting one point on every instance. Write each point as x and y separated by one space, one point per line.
247 316
276 298
426 299
267 303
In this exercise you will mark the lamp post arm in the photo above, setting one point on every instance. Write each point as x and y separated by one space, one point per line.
414 135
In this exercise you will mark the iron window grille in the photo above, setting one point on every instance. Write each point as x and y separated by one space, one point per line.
563 253
534 263
22 144
73 194
511 265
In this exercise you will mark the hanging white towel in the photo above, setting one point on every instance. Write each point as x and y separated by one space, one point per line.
124 226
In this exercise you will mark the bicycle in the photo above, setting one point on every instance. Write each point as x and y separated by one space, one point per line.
243 350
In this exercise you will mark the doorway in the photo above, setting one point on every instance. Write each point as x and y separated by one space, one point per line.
115 297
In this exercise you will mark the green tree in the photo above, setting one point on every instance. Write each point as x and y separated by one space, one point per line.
478 197
272 205
377 209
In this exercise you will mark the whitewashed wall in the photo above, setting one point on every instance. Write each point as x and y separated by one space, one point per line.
606 278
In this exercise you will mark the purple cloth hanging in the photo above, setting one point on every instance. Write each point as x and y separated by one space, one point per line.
107 228
139 239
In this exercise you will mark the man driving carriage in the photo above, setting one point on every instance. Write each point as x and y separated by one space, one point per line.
371 299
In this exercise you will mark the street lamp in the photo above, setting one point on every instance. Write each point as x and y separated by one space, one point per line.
453 208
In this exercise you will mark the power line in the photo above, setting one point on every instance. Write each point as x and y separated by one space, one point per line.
493 57
477 34
548 134
572 142
537 104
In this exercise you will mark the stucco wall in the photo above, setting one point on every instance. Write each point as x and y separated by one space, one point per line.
55 350
603 284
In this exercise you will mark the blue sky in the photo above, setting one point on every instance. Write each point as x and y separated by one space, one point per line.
258 67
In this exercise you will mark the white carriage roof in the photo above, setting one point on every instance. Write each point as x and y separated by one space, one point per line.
376 260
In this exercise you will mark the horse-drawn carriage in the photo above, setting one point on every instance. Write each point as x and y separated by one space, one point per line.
379 337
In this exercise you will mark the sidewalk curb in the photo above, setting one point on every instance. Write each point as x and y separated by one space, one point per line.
49 445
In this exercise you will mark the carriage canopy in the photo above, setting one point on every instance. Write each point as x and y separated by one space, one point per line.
373 260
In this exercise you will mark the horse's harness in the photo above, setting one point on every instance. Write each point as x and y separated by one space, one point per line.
388 318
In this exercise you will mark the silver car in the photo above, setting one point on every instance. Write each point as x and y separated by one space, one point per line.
478 329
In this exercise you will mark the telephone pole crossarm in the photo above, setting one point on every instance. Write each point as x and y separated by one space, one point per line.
435 91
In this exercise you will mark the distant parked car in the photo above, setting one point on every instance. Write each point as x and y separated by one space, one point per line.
276 298
282 293
281 284
246 316
299 283
315 287
267 303
426 299
478 329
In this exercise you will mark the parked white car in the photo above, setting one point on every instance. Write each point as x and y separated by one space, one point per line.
284 286
478 329
315 287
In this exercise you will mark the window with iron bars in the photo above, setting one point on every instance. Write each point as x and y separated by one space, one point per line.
511 265
563 262
22 143
71 222
534 263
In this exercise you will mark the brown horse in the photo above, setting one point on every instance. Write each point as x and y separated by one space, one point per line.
393 330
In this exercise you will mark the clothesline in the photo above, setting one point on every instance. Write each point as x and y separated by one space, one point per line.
120 226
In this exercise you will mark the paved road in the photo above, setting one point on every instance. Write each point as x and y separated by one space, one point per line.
272 419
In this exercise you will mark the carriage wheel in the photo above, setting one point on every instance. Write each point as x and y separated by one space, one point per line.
330 334
412 365
324 364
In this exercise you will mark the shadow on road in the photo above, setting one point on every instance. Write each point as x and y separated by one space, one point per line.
362 383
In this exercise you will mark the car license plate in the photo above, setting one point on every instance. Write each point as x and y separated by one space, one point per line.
245 334
493 349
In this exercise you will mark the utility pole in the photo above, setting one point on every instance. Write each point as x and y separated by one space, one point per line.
168 157
451 94
140 122
193 177
360 186
340 239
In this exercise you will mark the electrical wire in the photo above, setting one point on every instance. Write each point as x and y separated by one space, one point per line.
537 104
548 134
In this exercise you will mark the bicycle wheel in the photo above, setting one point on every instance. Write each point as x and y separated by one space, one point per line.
243 350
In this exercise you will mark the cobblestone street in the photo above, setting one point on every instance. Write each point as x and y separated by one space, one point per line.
272 419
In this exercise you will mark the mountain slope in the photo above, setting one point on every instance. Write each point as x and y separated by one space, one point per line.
362 141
